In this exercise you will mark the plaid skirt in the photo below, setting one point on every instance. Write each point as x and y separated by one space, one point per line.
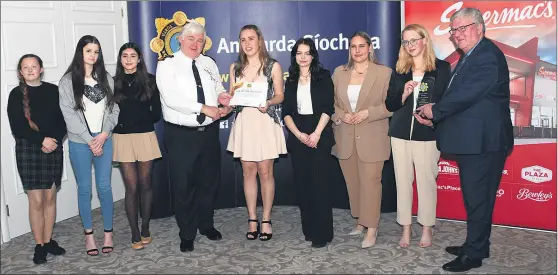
38 170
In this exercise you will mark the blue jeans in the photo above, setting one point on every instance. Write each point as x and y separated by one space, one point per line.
81 158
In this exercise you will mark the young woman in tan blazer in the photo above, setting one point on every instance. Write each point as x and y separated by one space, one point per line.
360 130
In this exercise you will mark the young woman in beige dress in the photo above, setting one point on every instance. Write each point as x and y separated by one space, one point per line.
257 137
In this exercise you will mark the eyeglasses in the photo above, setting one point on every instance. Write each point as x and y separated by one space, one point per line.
460 29
411 42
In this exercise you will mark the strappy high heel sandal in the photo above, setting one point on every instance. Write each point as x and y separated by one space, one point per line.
266 236
254 234
108 249
94 251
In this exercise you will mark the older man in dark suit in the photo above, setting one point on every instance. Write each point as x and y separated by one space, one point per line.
473 122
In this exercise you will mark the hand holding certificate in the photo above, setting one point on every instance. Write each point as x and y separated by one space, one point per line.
250 94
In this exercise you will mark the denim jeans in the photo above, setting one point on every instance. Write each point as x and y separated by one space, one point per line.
81 158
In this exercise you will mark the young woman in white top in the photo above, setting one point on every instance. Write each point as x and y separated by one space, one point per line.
307 109
417 71
360 129
86 101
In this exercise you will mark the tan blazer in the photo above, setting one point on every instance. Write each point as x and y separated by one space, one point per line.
372 141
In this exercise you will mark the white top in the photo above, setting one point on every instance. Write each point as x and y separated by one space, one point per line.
415 96
353 91
177 86
94 112
304 99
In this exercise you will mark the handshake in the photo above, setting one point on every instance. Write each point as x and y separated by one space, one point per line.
216 113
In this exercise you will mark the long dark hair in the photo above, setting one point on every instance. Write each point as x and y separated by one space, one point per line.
23 87
142 76
315 65
242 61
99 73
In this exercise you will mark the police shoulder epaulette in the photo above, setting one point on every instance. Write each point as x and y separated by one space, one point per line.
210 57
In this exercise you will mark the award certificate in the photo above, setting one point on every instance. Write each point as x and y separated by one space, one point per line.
250 94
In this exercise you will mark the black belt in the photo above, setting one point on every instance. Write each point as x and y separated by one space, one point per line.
194 129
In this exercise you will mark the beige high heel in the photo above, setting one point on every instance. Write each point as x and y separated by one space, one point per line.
426 244
355 232
370 243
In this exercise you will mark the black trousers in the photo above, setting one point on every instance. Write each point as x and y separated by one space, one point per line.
312 173
194 157
480 178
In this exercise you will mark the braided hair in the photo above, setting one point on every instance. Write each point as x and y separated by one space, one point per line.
23 87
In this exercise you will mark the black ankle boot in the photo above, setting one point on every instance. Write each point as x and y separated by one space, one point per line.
40 255
53 248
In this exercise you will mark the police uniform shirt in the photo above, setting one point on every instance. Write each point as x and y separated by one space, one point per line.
177 86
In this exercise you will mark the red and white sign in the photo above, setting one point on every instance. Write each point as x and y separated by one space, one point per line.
536 174
445 168
526 33
527 194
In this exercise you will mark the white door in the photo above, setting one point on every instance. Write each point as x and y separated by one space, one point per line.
50 30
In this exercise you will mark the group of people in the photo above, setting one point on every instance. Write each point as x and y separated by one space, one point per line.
354 118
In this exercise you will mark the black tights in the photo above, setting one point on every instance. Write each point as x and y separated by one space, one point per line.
138 175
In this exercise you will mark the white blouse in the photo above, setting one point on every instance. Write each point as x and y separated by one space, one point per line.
94 112
304 99
352 92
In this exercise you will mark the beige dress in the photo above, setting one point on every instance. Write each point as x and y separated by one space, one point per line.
255 136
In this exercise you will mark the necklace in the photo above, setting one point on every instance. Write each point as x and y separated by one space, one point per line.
360 72
130 83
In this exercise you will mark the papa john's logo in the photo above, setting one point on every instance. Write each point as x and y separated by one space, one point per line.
446 168
165 44
536 174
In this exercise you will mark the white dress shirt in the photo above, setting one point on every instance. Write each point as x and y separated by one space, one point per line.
177 87
304 99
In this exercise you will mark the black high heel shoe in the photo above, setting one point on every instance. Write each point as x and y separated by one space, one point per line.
266 236
254 234
108 249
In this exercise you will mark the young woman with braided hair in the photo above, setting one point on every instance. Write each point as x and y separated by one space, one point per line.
38 127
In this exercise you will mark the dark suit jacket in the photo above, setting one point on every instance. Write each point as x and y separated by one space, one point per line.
400 124
321 93
473 116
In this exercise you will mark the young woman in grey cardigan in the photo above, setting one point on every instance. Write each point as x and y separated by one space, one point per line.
86 92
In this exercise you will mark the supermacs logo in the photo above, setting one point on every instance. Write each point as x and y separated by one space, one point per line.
165 43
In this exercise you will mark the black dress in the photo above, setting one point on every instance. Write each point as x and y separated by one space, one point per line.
37 170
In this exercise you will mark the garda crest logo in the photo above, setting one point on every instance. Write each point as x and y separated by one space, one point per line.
165 44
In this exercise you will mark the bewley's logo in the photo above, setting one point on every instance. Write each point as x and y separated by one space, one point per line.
446 168
507 18
525 193
536 174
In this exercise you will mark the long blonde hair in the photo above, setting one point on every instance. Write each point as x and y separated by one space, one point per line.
405 61
242 61
371 55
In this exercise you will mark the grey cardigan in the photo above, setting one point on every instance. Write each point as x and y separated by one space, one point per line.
75 121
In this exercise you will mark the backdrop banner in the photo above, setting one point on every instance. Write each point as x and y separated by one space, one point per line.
526 32
329 24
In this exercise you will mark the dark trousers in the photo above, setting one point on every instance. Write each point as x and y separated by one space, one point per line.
194 158
480 177
312 173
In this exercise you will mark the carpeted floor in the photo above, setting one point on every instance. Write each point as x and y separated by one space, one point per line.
512 251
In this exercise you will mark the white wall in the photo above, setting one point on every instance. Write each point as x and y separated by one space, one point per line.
51 30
